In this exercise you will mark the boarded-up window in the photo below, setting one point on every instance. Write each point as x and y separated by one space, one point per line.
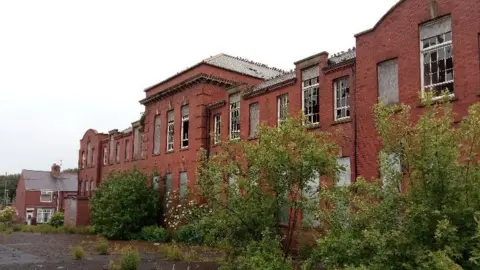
136 143
117 153
388 82
183 184
311 194
156 136
105 158
127 150
168 183
254 119
344 175
89 153
112 145
93 157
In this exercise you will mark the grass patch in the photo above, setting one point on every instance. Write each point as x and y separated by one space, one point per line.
129 258
171 252
101 245
78 253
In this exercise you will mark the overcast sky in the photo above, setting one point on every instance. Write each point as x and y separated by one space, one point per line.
66 66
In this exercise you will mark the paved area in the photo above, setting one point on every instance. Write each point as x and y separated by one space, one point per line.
53 251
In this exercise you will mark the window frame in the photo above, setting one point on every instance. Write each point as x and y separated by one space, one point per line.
105 155
127 149
253 130
217 128
185 120
117 152
43 211
310 88
157 135
347 173
234 107
336 85
46 191
285 100
170 132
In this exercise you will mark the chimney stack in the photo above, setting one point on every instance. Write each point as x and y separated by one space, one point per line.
55 170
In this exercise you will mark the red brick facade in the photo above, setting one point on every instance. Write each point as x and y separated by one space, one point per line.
207 86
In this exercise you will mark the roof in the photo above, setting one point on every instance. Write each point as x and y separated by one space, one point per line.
275 81
342 57
236 64
38 180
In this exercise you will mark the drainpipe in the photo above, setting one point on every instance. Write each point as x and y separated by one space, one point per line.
58 198
355 132
207 144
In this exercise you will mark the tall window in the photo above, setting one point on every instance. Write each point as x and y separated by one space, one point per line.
168 183
436 56
89 153
156 135
183 184
344 176
46 196
310 93
93 157
83 159
391 169
117 153
235 116
185 123
111 151
127 150
282 108
44 214
387 79
216 128
136 143
254 109
311 193
170 130
342 98
105 155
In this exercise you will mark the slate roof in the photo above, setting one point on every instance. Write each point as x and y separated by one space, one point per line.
243 66
342 57
272 82
38 180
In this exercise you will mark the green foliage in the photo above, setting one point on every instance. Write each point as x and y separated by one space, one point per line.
57 219
171 252
123 205
188 234
78 253
432 225
129 259
6 215
12 182
101 245
154 233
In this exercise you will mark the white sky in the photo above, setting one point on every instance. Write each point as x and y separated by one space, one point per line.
66 66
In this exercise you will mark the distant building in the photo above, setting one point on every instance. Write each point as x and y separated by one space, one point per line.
41 193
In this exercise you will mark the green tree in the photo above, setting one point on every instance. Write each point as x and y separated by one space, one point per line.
123 205
257 186
432 224
11 183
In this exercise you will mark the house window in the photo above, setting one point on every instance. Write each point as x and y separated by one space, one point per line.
342 98
235 116
155 182
390 168
183 184
436 57
46 196
89 153
105 155
387 76
310 93
185 123
93 157
83 159
170 130
44 214
168 183
136 143
117 153
87 186
344 175
216 128
111 151
156 135
311 193
92 184
127 150
282 108
254 109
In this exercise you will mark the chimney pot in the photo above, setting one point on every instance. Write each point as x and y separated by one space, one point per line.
55 170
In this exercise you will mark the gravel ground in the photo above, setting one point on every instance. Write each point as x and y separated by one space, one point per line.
53 251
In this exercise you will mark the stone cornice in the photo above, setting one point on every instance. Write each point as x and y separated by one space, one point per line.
341 65
254 93
216 105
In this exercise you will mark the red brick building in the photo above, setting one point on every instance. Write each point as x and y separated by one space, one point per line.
418 45
41 193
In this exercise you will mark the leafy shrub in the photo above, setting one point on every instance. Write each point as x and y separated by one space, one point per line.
57 219
153 233
101 246
188 234
129 259
123 205
17 227
78 253
6 215
172 252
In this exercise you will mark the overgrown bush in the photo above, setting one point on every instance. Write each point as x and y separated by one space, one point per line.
129 258
6 215
78 253
123 205
153 233
188 234
57 219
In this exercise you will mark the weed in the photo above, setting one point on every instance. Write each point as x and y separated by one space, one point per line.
191 256
102 246
129 258
172 252
78 253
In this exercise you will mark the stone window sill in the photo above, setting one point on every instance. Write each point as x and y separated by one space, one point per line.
252 138
313 126
437 100
169 152
184 149
341 121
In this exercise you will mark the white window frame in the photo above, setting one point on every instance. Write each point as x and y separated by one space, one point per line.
443 45
337 89
170 132
235 126
41 213
217 124
105 155
282 106
309 90
185 118
156 135
46 192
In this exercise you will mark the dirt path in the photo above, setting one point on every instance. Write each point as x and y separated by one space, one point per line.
53 251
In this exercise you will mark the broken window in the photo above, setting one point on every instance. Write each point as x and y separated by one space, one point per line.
170 130
156 135
235 116
342 98
282 108
437 57
216 128
310 93
185 124
254 119
388 82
